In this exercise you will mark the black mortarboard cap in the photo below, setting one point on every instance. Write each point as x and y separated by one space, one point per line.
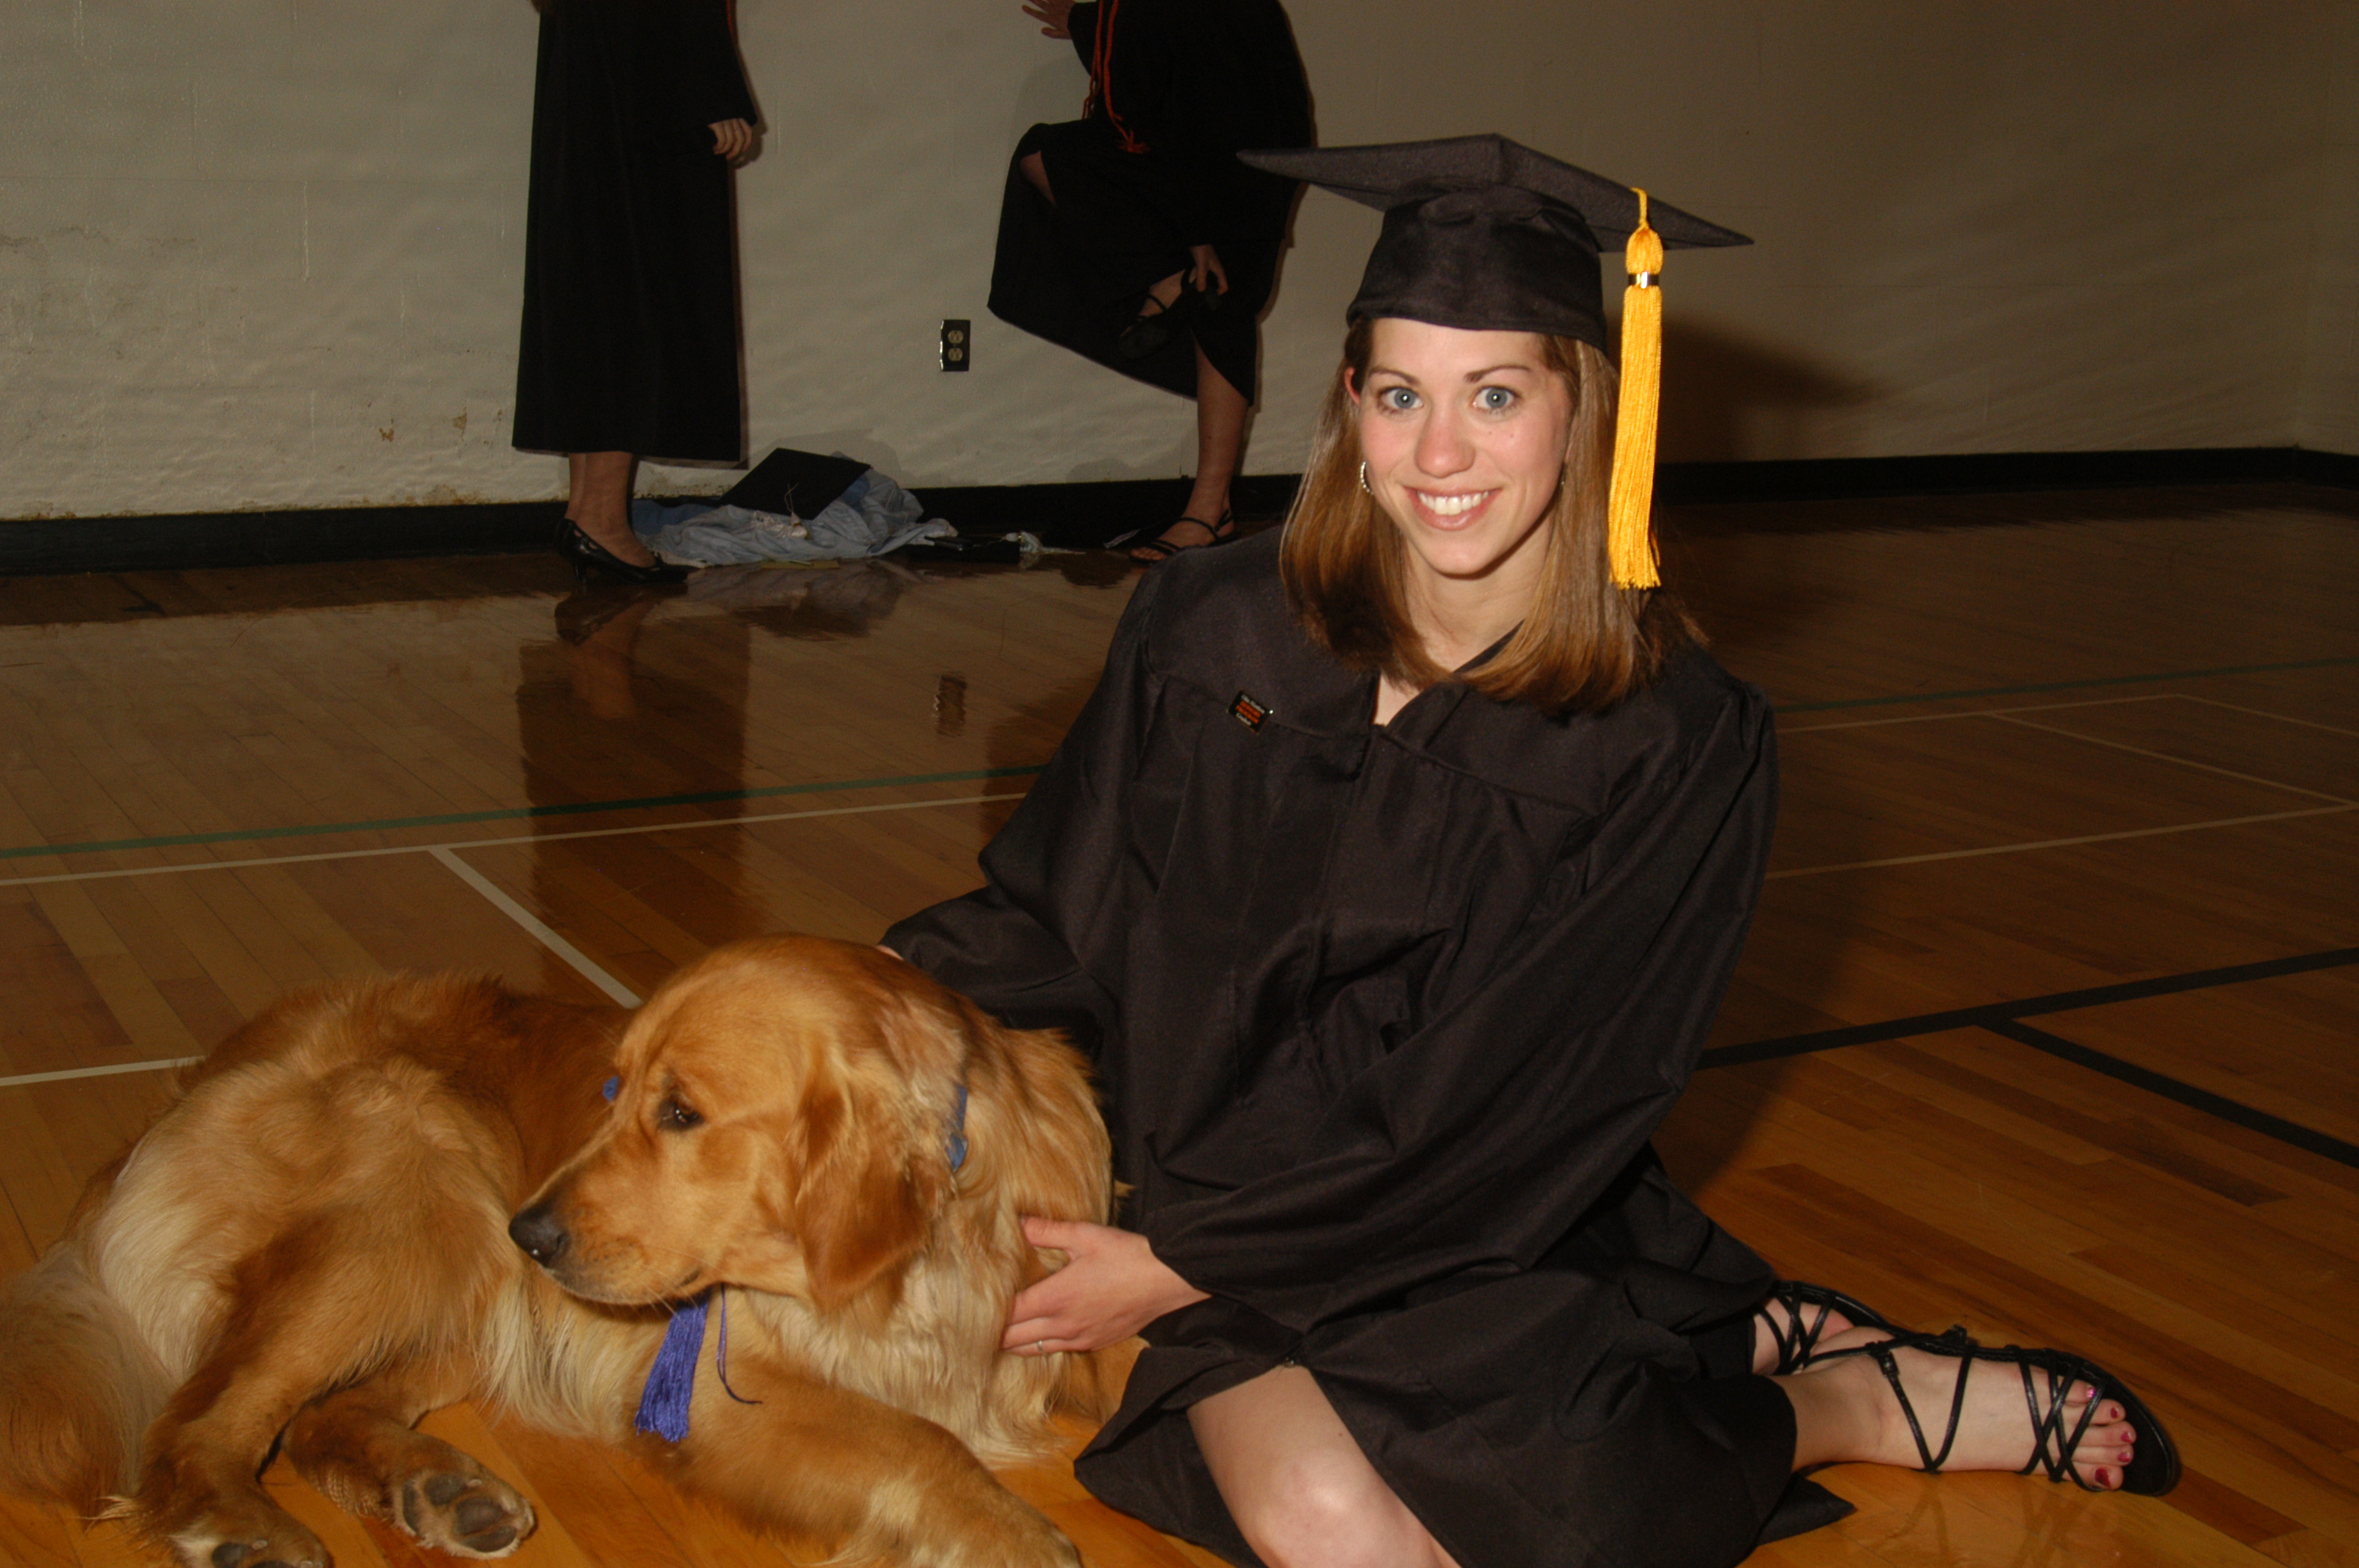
1485 233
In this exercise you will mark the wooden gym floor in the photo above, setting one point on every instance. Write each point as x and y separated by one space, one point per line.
2047 1026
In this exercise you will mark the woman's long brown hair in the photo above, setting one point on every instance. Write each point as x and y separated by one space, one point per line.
1585 646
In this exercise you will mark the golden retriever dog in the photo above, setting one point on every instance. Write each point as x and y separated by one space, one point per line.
311 1249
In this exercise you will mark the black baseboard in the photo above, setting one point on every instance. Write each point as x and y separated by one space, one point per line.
1083 514
182 541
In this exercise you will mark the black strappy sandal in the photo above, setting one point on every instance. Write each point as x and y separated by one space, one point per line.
2153 1469
1799 1337
1221 533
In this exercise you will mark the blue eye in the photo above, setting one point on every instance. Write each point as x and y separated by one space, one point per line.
1398 398
1495 399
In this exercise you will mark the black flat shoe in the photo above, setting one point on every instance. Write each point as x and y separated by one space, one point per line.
1799 1337
587 553
1152 327
1221 532
2153 1468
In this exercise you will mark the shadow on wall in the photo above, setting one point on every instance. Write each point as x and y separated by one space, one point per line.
1053 90
1728 398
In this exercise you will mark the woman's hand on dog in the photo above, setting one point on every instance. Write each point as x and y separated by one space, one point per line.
1114 1287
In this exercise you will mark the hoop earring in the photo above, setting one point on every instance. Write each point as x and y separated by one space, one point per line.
1363 480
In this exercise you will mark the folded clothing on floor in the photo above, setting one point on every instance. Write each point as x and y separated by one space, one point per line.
874 516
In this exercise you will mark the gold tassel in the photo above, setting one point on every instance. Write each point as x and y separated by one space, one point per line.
1629 525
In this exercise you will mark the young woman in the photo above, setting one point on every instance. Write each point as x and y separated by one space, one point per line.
1397 868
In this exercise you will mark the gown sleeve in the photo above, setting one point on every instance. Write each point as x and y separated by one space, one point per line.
1082 24
710 79
1482 1138
1055 867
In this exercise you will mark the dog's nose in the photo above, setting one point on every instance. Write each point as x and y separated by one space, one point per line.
536 1230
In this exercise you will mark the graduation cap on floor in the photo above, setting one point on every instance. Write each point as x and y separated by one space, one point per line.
792 482
1486 234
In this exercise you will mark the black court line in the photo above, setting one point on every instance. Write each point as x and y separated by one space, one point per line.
1889 701
1991 1014
2005 1018
2186 1094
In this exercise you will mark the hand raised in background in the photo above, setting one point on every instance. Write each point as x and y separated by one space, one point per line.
733 139
1054 17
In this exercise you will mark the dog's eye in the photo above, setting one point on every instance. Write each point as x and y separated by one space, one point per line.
675 1117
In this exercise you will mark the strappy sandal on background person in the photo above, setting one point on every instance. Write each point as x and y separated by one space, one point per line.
2153 1468
1810 1309
1157 323
587 554
1162 547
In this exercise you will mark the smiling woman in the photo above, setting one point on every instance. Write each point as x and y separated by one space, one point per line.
1398 867
1458 481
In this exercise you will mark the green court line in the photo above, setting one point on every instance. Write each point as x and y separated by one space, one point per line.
2059 686
720 796
508 814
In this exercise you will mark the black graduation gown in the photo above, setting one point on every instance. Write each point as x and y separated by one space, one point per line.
1177 88
630 289
1385 1018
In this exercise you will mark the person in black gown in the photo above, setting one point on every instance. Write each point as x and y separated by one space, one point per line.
630 340
1395 871
1134 237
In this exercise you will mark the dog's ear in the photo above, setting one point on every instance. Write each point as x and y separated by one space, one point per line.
867 1198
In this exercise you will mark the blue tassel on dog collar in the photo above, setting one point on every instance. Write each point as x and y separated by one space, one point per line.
671 1381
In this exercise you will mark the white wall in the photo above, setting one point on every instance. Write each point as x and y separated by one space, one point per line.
2328 420
266 252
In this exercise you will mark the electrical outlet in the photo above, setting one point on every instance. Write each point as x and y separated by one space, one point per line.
958 343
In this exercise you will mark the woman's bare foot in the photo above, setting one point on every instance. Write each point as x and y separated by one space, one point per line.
1789 1324
1163 295
1774 1310
1844 1411
616 539
1187 533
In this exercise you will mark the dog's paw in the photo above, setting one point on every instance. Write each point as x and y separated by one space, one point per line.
1063 1552
1058 1552
1028 1539
276 1544
468 1513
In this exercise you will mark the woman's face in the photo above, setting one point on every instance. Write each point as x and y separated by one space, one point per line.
1464 434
